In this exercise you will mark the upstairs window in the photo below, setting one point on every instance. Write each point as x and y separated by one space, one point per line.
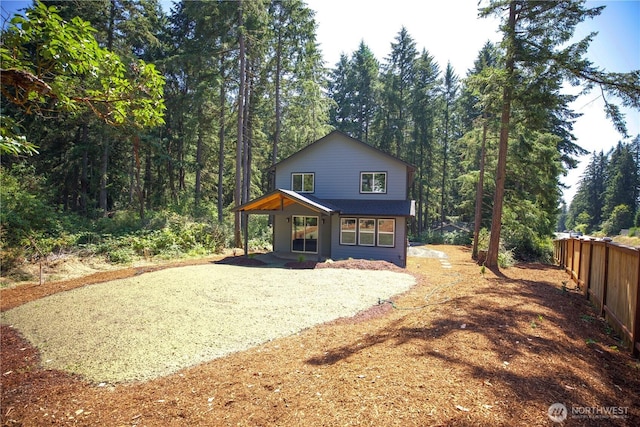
302 182
373 182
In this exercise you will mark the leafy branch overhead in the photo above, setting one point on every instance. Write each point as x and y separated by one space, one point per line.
51 65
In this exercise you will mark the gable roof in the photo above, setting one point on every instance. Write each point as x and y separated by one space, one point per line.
409 166
279 199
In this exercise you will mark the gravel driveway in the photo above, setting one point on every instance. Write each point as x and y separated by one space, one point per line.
160 322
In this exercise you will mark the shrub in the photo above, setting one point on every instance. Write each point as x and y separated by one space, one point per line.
506 259
620 218
24 212
121 256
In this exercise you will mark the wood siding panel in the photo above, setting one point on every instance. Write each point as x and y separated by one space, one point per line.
395 255
282 234
337 163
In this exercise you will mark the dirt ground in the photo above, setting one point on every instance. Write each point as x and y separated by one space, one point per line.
460 348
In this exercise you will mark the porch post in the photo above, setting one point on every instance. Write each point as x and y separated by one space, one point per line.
245 223
319 248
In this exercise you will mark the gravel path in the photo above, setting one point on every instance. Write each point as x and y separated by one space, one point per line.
160 322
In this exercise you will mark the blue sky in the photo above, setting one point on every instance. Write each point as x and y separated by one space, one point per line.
451 32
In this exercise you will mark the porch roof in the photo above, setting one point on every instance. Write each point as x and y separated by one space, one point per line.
358 207
279 199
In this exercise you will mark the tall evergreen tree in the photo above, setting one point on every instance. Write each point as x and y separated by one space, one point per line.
423 112
398 79
341 93
622 179
449 93
479 102
365 74
537 55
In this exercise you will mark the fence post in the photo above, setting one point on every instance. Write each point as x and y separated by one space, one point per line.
588 285
579 262
573 257
606 275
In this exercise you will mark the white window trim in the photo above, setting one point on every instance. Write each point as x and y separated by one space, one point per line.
317 237
373 232
393 233
374 175
376 233
303 174
355 232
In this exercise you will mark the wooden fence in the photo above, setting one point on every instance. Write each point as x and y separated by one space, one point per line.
609 275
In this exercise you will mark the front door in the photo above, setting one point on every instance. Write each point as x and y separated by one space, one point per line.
304 234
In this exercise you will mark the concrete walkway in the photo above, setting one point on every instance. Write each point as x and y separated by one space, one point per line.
420 250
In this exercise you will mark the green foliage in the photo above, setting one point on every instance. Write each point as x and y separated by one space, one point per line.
12 141
506 257
50 64
483 239
166 235
260 233
121 238
25 211
620 218
29 226
435 237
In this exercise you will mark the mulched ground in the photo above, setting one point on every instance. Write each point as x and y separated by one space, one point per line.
460 348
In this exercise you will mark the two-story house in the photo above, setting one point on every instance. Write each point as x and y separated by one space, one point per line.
339 198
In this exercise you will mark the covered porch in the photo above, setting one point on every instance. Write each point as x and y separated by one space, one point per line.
301 223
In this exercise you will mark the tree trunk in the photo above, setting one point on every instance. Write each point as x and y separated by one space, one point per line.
496 219
132 179
479 193
104 177
138 186
84 174
181 172
148 177
240 143
246 139
199 148
223 96
445 149
278 107
170 169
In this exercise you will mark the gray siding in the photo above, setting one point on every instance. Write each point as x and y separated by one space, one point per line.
395 255
337 162
282 230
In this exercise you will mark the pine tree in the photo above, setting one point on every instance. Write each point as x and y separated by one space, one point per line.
397 82
537 59
423 113
622 179
449 94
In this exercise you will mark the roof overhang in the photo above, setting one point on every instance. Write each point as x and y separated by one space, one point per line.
278 200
